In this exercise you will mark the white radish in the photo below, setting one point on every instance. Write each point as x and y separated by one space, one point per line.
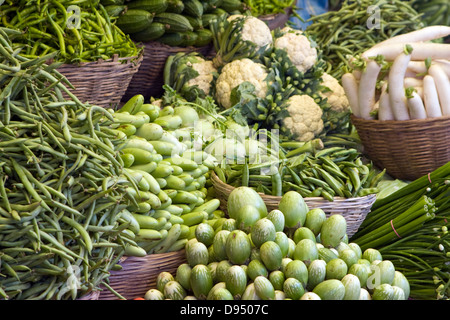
357 74
396 86
445 65
367 87
419 91
421 35
350 86
412 82
421 51
442 86
415 106
430 98
417 67
384 107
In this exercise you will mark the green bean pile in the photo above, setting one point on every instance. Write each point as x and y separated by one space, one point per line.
311 169
46 26
61 185
346 31
420 247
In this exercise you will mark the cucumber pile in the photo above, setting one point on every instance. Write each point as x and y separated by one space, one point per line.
167 180
267 260
172 22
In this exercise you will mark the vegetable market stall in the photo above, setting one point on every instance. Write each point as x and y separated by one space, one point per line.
241 178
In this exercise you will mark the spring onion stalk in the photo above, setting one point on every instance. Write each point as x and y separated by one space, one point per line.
421 250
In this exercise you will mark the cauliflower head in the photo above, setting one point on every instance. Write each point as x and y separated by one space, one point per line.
254 30
305 118
336 96
205 76
298 48
237 72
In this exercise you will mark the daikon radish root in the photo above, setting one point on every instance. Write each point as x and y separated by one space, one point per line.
425 34
367 87
412 82
417 67
396 86
445 65
430 98
421 51
442 86
415 104
350 86
384 107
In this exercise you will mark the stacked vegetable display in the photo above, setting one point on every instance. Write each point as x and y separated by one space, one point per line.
172 22
402 78
170 176
242 259
76 32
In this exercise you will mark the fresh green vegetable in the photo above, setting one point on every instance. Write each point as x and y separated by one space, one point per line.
75 37
63 190
412 227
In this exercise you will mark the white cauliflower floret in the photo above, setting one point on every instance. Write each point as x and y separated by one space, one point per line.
254 30
205 76
298 48
336 97
305 118
237 72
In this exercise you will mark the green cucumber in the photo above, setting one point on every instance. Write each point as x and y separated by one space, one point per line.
352 287
263 230
232 5
277 218
134 20
236 281
330 290
115 10
293 289
152 6
175 6
193 8
298 270
294 209
333 231
316 273
264 288
201 281
173 290
197 253
238 247
271 255
153 32
175 22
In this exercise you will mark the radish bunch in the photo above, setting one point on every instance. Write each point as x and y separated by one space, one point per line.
405 77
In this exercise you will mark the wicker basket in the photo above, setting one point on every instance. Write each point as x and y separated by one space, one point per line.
407 149
279 20
354 210
148 80
101 82
138 275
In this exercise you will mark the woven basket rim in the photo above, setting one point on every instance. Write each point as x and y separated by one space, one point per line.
115 58
215 179
400 123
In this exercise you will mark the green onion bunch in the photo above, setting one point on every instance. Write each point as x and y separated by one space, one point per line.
410 227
